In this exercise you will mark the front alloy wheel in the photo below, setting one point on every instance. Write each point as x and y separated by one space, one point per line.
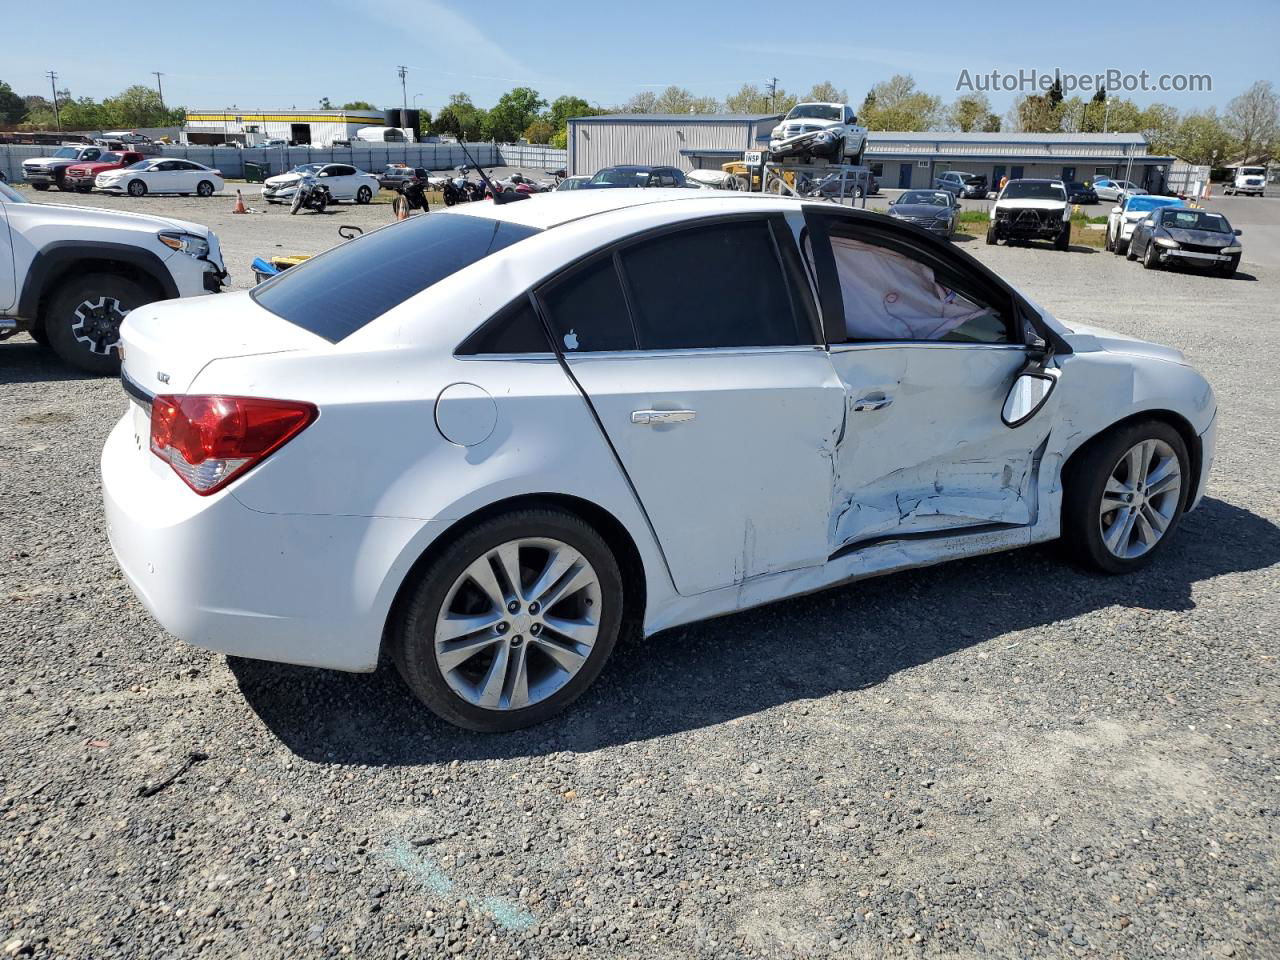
1140 499
512 622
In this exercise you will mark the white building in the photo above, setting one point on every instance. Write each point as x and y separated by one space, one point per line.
689 141
315 127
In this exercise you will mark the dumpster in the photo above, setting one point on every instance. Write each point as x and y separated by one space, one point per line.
256 172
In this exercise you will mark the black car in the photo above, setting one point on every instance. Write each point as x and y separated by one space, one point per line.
633 175
1195 238
1078 192
932 210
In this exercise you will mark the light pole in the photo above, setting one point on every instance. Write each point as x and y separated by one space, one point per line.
159 88
404 97
53 84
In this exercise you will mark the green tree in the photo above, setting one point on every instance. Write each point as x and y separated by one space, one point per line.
325 104
751 99
460 118
1159 124
358 105
1055 91
643 102
12 107
896 104
540 131
969 112
560 140
140 106
1201 138
1253 119
1035 114
827 92
513 113
563 109
679 100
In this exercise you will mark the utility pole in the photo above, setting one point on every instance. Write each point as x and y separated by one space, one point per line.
772 88
53 84
159 88
404 97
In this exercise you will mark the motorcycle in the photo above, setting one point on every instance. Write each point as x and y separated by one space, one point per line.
454 191
414 190
311 194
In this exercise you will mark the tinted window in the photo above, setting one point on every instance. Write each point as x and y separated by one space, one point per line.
514 329
335 294
719 285
587 310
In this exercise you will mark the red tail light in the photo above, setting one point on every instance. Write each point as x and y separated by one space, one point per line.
209 441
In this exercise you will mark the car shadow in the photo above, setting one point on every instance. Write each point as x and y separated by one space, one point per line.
845 638
22 360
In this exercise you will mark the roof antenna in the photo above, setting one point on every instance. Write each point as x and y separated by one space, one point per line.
498 195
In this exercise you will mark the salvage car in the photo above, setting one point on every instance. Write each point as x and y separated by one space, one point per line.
1078 192
969 185
81 176
1195 238
343 181
826 130
932 210
45 172
162 175
496 440
1124 217
1031 210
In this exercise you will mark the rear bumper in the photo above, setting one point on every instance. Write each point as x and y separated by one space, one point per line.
293 588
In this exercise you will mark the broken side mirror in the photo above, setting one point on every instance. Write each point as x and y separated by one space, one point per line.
1030 392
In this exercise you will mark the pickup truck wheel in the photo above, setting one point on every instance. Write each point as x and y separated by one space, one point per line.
40 335
204 189
82 321
1064 238
42 187
137 188
991 235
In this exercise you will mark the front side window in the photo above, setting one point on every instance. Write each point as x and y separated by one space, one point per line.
718 285
344 289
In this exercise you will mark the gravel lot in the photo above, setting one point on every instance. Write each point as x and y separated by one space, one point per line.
1001 757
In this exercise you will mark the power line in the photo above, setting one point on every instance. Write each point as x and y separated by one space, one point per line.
772 88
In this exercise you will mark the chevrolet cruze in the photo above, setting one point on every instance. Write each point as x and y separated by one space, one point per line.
499 439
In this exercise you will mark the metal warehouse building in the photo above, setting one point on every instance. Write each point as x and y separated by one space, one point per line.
317 127
690 141
915 159
696 141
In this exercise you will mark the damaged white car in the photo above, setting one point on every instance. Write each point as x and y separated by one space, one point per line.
498 439
826 130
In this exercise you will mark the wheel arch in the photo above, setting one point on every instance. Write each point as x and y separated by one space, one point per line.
1195 447
614 532
52 265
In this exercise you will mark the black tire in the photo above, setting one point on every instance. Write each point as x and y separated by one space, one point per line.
296 204
137 188
1084 481
63 185
1064 238
204 189
1109 244
83 189
1229 268
95 348
364 195
319 201
413 629
42 187
991 235
40 335
1150 258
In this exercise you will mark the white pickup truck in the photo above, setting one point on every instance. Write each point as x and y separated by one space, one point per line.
827 130
45 172
69 274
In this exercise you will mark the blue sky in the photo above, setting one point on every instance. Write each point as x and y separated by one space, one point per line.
280 55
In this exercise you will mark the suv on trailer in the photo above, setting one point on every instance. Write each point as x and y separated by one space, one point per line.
69 274
45 172
1031 210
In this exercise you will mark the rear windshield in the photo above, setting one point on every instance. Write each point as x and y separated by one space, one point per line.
337 293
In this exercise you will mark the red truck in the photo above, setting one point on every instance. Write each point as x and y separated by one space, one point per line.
80 176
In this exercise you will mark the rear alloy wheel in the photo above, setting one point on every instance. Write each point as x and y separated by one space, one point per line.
83 320
1125 496
512 622
364 195
1129 253
137 188
204 189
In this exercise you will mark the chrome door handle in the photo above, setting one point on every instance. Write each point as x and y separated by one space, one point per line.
871 402
662 416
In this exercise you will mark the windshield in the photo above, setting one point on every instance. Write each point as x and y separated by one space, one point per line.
1251 171
71 152
109 158
305 168
10 195
340 291
814 111
1146 202
1030 190
629 178
931 197
1195 220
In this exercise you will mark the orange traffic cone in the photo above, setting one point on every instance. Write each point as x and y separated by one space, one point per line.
400 207
239 207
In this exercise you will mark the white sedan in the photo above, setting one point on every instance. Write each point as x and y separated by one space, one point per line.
162 175
501 438
344 181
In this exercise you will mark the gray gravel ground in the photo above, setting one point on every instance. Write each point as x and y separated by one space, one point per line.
1001 757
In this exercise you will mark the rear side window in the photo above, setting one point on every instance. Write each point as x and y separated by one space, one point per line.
513 329
335 294
587 310
719 285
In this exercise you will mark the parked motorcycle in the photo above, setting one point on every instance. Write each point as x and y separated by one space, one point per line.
310 194
414 190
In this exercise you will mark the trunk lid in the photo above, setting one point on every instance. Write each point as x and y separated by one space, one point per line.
167 344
